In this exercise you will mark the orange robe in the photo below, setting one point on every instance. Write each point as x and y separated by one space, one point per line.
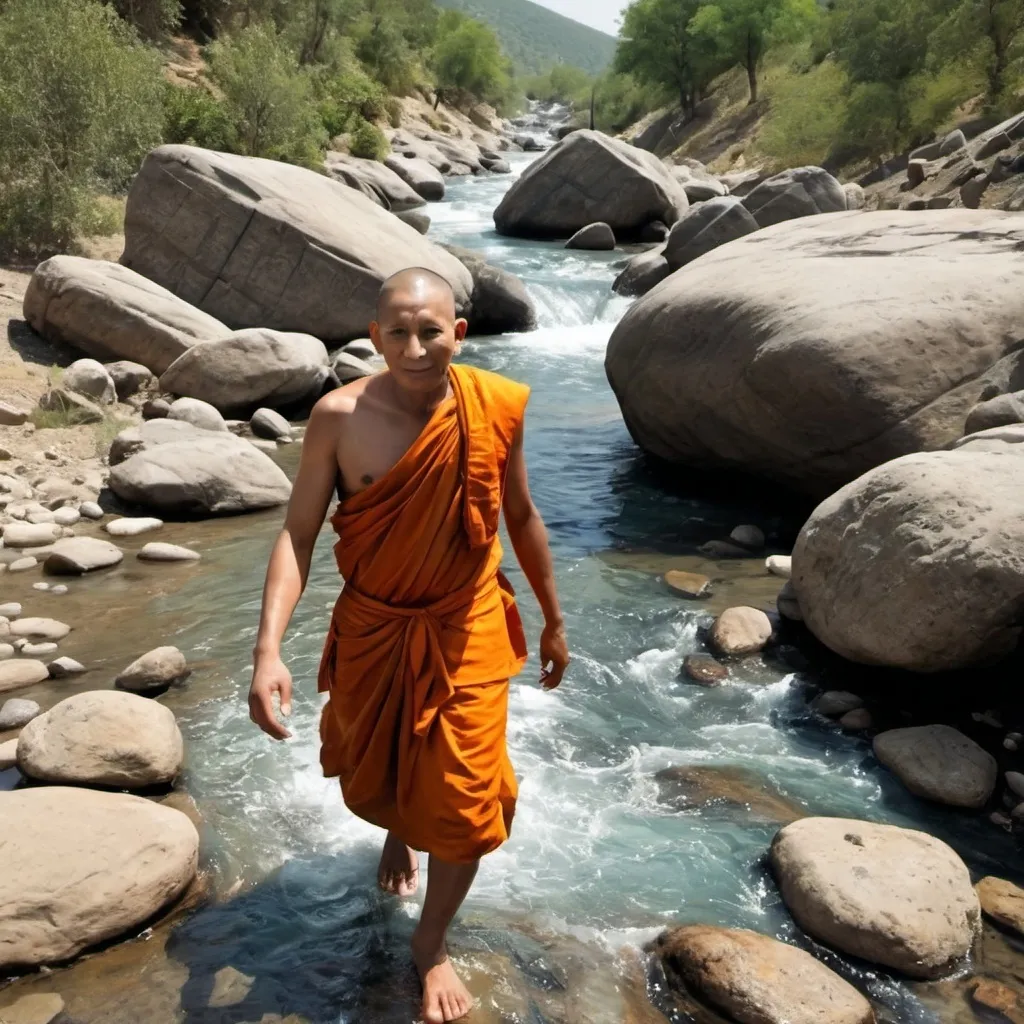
426 633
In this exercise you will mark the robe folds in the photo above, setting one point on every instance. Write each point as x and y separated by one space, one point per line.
426 634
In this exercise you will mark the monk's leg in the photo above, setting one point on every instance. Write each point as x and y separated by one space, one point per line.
399 869
445 998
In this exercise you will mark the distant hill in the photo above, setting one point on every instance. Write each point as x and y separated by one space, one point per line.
536 39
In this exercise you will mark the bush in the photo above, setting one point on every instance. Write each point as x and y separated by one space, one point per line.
153 18
268 98
368 141
193 117
80 104
347 97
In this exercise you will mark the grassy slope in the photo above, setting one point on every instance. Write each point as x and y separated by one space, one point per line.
536 38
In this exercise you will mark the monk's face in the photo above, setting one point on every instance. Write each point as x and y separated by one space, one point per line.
417 332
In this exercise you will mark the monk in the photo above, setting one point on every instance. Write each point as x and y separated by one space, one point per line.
425 634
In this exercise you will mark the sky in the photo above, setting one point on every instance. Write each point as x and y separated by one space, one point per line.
602 14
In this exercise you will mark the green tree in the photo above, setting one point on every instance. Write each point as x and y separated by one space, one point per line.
741 31
988 32
658 47
268 97
153 18
467 58
80 104
391 36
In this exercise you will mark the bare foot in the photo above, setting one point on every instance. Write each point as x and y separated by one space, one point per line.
445 998
399 869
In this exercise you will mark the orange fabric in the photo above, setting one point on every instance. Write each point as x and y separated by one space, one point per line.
426 633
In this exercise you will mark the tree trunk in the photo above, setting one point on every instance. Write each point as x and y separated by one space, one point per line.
751 71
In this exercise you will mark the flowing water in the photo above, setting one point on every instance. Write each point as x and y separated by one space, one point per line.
596 861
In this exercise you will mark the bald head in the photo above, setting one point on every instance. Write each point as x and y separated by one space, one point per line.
416 286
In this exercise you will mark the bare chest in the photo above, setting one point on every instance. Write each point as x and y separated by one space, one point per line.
373 446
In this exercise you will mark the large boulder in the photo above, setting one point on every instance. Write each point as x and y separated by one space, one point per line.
705 227
84 867
89 377
418 174
1000 411
250 368
110 312
800 192
103 738
812 351
260 243
197 413
757 979
149 434
888 895
598 237
397 193
642 273
500 303
919 564
203 473
589 177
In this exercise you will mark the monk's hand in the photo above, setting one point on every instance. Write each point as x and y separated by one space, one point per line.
554 655
270 678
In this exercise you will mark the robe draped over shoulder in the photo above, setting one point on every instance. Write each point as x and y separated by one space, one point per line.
426 633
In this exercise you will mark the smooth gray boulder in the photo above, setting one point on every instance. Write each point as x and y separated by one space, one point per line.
1001 411
800 192
197 413
706 227
271 425
111 312
398 194
250 368
149 434
260 243
16 712
809 352
598 237
642 273
130 378
590 177
90 378
154 671
347 367
418 174
919 564
205 473
74 556
500 303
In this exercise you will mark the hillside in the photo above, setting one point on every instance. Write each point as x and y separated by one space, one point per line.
536 38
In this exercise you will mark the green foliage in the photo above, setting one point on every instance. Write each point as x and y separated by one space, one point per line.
562 84
153 19
196 118
467 57
537 39
391 37
348 96
268 98
368 141
80 103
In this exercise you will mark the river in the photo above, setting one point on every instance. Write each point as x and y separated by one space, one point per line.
597 862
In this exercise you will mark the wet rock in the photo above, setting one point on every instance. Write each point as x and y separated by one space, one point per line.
741 630
39 628
788 604
230 987
73 556
6 650
720 549
250 368
688 584
30 535
597 236
10 610
57 589
834 703
90 378
66 516
61 668
103 738
270 425
132 527
500 302
22 564
857 720
35 1008
130 378
154 672
939 763
87 867
755 978
993 996
1003 902
642 273
17 712
198 413
779 565
156 551
90 510
688 787
38 650
888 895
18 672
704 670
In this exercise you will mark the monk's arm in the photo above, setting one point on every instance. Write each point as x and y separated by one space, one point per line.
530 540
289 567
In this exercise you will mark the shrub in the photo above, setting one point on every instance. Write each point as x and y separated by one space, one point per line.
80 104
349 96
368 141
153 18
268 98
195 118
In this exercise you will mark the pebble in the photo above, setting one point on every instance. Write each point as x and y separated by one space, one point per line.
1016 782
723 549
705 670
132 527
38 650
40 628
19 643
18 712
42 517
6 651
28 535
40 586
688 584
21 564
10 610
157 551
67 516
996 997
58 589
779 565
63 667
90 510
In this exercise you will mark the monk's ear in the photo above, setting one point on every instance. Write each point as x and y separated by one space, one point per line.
375 337
461 326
